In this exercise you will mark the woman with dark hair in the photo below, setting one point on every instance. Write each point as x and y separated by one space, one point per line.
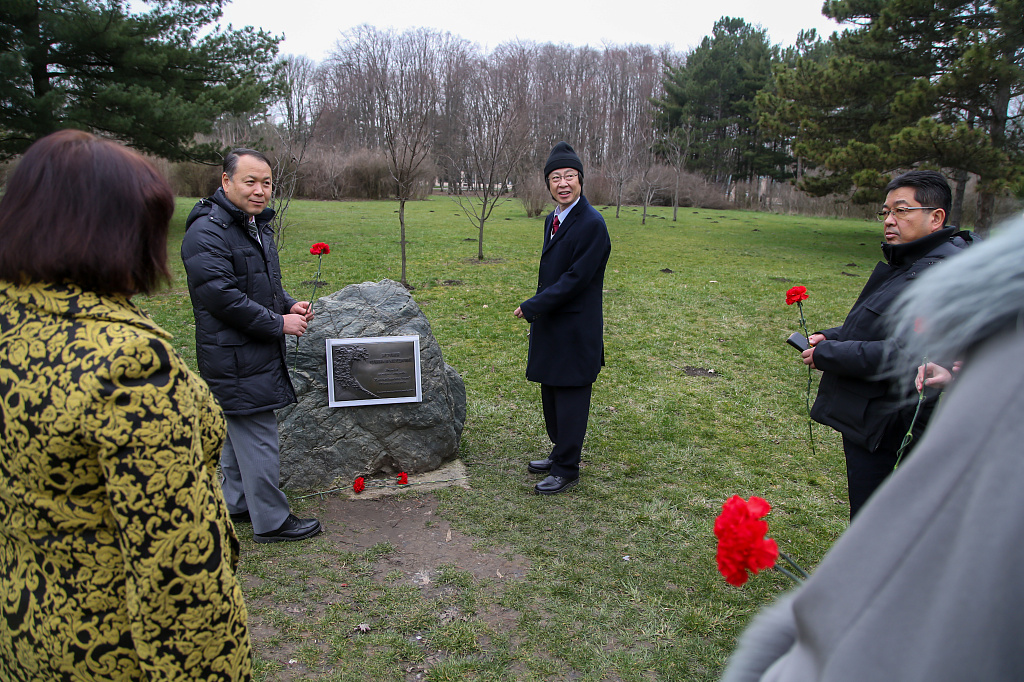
116 550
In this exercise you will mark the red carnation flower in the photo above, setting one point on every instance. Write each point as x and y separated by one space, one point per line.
742 545
403 479
319 249
796 294
359 484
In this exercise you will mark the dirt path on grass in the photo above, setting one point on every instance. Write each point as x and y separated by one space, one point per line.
290 635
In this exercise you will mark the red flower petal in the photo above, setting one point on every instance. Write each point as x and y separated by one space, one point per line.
742 545
796 294
403 479
359 484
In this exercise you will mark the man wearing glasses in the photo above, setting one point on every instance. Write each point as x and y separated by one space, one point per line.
852 398
566 319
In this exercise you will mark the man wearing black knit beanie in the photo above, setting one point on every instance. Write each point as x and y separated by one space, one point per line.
566 320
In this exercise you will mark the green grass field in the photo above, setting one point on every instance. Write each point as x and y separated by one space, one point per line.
700 399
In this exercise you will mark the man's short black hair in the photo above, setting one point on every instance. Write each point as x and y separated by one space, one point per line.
231 160
930 189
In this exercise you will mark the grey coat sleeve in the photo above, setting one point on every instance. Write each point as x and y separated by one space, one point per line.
768 638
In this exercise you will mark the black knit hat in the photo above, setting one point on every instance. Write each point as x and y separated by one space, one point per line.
562 156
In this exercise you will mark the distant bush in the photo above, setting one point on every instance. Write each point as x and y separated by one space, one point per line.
598 190
361 174
532 191
189 179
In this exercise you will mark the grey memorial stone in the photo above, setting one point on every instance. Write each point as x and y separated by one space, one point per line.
324 446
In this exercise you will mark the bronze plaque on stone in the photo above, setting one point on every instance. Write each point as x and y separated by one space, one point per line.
373 371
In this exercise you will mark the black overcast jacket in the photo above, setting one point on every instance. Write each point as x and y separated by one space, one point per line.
852 398
238 302
565 315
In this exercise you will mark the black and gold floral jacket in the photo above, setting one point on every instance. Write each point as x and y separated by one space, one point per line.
116 550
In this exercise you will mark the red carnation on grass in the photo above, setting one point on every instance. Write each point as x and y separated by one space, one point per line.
319 249
795 295
742 545
403 479
359 484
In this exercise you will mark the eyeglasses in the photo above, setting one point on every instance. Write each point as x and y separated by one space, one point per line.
568 177
901 212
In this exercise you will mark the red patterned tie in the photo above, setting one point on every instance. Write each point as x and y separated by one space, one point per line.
554 226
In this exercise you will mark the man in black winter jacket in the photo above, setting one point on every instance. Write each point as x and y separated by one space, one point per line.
242 314
853 398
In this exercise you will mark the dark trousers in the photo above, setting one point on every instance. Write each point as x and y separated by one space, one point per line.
566 410
866 470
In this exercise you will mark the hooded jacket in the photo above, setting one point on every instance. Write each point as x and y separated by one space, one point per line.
234 279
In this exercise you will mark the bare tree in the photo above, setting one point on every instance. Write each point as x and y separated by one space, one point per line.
675 149
495 136
398 76
650 180
296 115
631 78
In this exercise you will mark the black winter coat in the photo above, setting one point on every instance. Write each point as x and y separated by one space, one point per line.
239 303
852 397
566 317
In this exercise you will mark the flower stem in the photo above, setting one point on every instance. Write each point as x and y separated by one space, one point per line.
807 395
909 436
316 281
788 574
795 565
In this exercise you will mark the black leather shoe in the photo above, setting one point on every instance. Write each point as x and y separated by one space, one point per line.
293 528
241 517
552 485
539 466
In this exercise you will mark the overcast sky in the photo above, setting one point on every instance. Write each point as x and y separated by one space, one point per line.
312 27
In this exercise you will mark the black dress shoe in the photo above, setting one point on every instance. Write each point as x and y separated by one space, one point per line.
241 517
552 485
539 466
293 528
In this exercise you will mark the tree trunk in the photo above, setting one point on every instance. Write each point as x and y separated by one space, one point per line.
480 241
675 200
401 221
956 212
986 207
997 133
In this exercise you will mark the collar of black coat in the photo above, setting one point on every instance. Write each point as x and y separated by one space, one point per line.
901 254
237 214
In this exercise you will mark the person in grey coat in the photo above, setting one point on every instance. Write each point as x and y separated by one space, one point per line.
242 315
925 585
566 319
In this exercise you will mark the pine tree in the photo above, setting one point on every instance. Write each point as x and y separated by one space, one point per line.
713 96
932 83
152 78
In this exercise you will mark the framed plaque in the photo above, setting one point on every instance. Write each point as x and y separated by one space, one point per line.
373 371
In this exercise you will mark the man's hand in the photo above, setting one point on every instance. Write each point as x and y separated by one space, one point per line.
295 324
935 376
518 312
303 308
808 355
